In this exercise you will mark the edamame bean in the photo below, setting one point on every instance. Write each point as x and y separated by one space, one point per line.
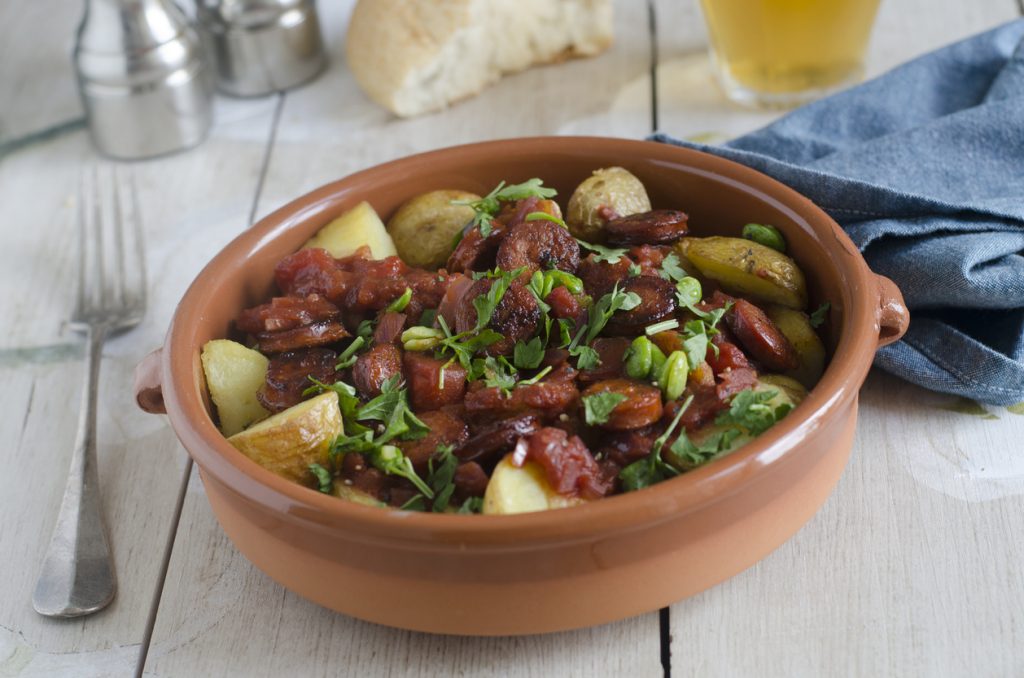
764 234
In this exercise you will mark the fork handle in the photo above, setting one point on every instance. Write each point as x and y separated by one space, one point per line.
77 577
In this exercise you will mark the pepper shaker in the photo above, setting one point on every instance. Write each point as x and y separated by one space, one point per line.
142 77
261 46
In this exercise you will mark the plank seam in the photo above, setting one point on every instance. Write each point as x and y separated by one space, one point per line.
154 606
265 164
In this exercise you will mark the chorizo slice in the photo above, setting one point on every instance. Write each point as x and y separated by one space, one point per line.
610 350
515 318
288 376
470 481
761 337
475 251
312 271
286 313
319 333
567 463
564 304
657 227
538 245
547 398
373 368
445 429
599 277
432 383
642 406
657 302
490 441
389 327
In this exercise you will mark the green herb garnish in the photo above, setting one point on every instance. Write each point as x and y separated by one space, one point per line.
819 315
653 469
752 410
348 357
323 478
602 253
399 304
486 207
528 356
670 268
598 407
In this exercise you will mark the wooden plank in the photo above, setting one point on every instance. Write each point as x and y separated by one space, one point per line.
911 568
36 79
191 204
214 601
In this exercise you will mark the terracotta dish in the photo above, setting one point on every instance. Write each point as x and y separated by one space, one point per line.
552 570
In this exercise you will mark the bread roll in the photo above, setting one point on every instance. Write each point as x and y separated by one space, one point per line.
415 56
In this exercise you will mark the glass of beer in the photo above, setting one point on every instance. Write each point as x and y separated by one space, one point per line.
782 53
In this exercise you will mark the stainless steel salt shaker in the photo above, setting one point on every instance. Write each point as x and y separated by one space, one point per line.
261 46
143 79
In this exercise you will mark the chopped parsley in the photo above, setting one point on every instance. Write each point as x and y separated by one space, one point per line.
652 469
323 478
670 268
348 357
399 304
598 407
819 315
486 207
528 356
753 411
602 253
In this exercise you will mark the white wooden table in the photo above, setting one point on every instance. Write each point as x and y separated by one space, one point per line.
914 567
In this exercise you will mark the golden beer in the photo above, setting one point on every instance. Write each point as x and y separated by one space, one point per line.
785 52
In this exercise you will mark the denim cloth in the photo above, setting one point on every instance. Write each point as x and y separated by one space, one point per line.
924 169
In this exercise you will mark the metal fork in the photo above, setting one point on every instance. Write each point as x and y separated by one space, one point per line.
77 576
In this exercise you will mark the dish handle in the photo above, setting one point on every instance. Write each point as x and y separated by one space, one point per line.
148 387
893 316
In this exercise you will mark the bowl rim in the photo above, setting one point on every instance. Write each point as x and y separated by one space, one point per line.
705 485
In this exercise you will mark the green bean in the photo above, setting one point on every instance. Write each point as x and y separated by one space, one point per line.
672 378
764 234
421 338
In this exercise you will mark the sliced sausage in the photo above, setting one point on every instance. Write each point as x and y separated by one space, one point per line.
515 317
288 376
538 245
761 337
313 271
564 304
476 252
470 481
657 302
320 333
373 368
641 407
568 464
286 313
389 327
548 398
445 429
599 277
611 350
491 440
657 227
428 390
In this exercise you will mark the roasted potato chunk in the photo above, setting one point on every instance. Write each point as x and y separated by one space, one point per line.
790 390
522 489
745 267
424 228
809 349
288 442
353 229
606 194
234 374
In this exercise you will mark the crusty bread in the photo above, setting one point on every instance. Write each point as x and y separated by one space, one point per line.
415 56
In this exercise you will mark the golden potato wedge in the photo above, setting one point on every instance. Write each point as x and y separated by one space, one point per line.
234 374
353 229
810 350
349 493
289 441
745 267
612 190
521 489
790 390
424 228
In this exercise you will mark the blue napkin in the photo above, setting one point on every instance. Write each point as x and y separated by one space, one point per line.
924 169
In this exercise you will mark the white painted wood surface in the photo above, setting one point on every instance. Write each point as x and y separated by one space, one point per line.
912 568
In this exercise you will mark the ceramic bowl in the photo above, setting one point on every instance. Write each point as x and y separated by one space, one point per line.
554 570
